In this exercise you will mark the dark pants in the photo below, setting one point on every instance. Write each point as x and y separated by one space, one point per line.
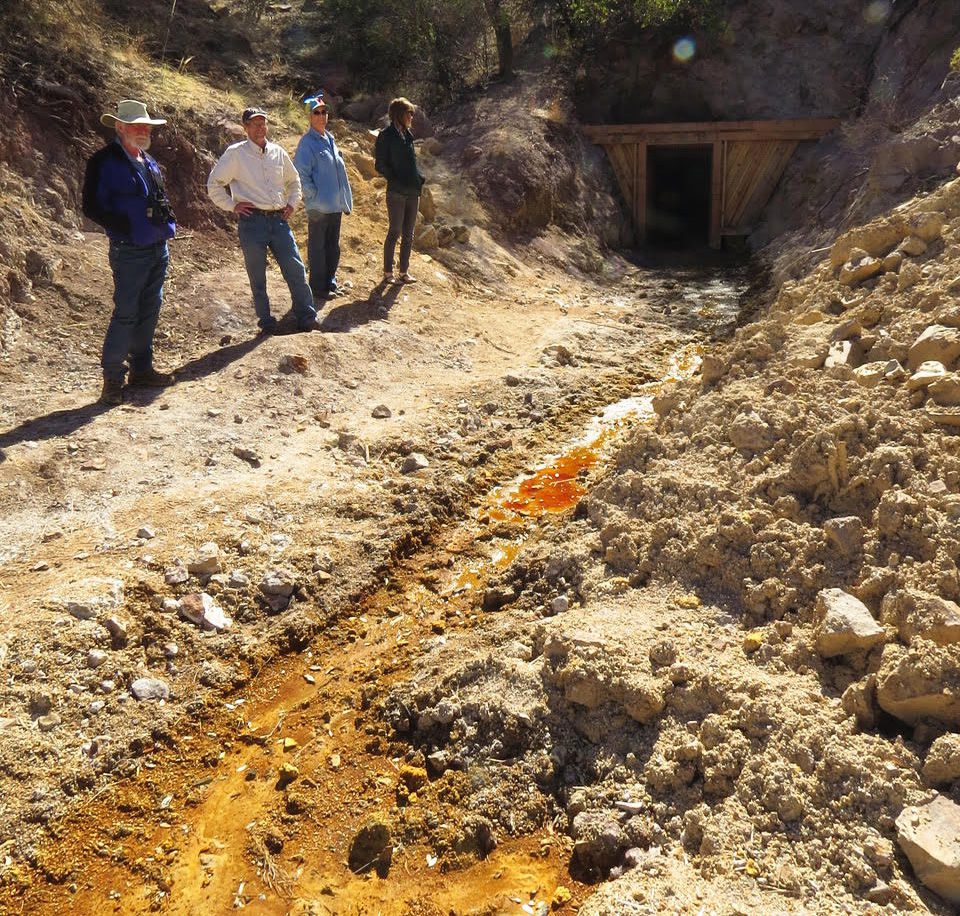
402 211
323 251
138 275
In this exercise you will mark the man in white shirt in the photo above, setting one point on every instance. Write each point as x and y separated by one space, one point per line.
257 180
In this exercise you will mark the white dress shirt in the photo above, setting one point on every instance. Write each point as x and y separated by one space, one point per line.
266 178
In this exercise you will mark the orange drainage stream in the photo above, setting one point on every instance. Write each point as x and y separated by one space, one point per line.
558 486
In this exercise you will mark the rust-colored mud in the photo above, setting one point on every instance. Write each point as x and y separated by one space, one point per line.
210 824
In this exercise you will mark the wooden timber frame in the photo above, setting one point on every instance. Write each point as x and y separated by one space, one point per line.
748 158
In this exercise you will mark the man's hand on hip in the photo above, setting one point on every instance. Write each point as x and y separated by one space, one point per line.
287 211
244 208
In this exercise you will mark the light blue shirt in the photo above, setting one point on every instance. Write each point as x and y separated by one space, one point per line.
323 174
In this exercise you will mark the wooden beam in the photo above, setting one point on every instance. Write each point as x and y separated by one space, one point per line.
640 192
789 128
716 194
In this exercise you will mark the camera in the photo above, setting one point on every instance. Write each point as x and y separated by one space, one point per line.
159 212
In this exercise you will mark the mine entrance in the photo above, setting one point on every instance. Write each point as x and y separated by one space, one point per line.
662 168
678 195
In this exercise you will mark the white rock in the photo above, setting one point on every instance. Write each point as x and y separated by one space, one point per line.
278 583
926 373
871 374
204 611
930 837
845 624
150 688
414 462
92 597
95 658
207 560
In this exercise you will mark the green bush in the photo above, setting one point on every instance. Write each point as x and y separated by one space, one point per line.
955 60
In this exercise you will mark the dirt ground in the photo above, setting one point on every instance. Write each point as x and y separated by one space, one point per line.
552 583
270 449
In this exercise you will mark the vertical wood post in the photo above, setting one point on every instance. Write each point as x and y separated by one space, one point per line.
640 190
716 194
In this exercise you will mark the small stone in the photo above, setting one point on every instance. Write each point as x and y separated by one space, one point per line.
49 722
845 533
249 455
203 610
207 560
278 583
150 688
176 574
913 246
237 580
845 624
288 773
560 604
414 462
95 658
381 412
146 533
881 893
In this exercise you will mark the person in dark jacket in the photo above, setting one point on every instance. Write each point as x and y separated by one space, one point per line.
123 191
396 160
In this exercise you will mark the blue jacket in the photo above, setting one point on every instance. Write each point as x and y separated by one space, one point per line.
117 197
323 174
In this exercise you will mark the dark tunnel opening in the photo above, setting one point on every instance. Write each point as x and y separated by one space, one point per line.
678 196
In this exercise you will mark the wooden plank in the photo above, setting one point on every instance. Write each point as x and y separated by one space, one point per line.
716 194
799 129
766 182
640 199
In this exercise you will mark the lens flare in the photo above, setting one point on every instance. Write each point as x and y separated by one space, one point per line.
684 49
877 11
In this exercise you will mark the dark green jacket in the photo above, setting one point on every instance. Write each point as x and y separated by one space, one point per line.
397 162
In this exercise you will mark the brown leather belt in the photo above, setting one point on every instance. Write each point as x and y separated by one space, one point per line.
267 212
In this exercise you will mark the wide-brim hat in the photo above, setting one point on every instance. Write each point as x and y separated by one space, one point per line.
130 111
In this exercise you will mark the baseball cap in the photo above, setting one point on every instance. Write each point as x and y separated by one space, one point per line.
250 113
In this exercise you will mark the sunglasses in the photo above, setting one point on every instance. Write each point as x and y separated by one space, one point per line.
319 112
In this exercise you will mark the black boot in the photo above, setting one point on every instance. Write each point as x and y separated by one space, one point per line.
112 392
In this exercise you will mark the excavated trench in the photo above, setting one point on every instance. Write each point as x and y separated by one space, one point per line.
295 796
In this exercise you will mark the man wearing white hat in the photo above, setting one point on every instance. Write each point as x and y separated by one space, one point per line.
123 191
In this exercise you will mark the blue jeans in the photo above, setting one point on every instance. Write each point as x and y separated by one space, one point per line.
138 275
260 232
323 251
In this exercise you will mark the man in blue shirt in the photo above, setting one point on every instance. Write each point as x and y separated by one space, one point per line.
326 196
123 191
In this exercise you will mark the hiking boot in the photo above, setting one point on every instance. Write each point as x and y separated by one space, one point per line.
406 278
312 325
268 326
112 392
150 378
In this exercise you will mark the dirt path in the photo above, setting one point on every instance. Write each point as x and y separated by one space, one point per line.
269 449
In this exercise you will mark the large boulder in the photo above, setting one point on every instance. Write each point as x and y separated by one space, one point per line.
938 343
942 764
918 614
930 836
844 624
922 682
